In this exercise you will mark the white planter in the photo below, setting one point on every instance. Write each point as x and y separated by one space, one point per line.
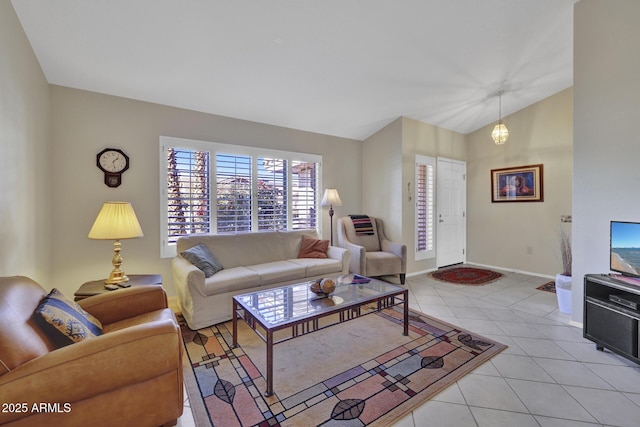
563 292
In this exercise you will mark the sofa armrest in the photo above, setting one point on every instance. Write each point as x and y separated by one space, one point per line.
358 262
187 275
125 303
398 249
95 366
341 254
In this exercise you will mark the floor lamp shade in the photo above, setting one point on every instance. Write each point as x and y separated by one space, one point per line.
116 221
331 198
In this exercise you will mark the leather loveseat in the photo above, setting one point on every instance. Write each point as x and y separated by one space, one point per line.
131 375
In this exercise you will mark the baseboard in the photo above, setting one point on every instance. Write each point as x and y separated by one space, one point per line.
511 270
418 273
576 324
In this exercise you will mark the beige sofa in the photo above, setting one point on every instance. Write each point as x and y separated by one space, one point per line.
251 261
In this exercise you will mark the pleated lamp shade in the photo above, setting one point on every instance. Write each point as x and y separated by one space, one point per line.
116 221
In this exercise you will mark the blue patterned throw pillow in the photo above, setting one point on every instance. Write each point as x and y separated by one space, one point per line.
64 320
200 256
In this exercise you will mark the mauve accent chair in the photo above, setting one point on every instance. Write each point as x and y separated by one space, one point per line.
372 254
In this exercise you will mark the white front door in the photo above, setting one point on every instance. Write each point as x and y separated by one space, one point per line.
451 212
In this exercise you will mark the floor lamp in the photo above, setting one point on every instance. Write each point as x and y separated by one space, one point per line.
331 198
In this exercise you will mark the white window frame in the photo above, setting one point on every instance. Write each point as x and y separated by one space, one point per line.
430 163
167 249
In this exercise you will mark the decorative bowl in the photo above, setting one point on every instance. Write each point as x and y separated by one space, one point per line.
323 286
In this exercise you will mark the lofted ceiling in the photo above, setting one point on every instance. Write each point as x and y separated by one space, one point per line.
338 67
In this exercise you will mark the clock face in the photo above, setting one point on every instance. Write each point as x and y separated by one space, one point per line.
113 161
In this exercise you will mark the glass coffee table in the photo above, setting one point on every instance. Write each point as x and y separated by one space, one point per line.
298 308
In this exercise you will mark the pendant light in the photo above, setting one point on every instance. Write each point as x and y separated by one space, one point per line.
500 132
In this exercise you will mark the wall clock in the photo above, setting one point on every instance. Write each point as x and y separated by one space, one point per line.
113 162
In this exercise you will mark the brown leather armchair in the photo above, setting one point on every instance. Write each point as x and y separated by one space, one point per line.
130 375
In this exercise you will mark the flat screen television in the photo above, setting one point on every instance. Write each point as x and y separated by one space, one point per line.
625 248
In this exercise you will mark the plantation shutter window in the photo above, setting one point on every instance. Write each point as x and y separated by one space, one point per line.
188 196
304 195
221 188
233 193
272 194
425 207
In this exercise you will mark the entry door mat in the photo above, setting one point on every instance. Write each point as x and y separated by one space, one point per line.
466 275
548 287
358 373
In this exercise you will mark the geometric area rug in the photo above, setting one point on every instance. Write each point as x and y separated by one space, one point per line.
357 373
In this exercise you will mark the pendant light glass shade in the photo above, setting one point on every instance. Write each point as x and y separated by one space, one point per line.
500 132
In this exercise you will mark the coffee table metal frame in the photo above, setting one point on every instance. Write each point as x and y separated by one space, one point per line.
305 324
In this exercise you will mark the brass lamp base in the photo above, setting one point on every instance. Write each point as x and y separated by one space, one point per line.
117 276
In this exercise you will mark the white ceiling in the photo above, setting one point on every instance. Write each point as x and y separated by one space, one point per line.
337 67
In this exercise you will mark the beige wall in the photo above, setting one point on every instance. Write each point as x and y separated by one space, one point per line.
382 178
84 123
606 150
25 200
427 140
389 165
503 234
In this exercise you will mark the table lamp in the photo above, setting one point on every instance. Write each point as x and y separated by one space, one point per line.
331 198
116 221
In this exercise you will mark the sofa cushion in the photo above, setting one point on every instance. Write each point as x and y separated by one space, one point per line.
317 267
380 263
313 248
231 279
278 271
200 256
64 320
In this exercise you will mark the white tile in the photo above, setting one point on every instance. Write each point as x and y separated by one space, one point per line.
494 418
502 315
520 367
560 422
513 329
622 378
586 352
568 372
608 407
451 394
487 368
481 326
465 312
548 376
406 421
550 400
542 348
561 333
438 311
489 392
446 414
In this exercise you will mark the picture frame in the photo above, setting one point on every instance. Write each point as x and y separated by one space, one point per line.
517 184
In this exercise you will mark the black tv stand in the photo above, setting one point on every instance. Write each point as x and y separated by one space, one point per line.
610 320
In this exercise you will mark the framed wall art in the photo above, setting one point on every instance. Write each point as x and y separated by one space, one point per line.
517 184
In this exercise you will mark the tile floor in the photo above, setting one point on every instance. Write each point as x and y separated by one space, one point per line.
549 376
